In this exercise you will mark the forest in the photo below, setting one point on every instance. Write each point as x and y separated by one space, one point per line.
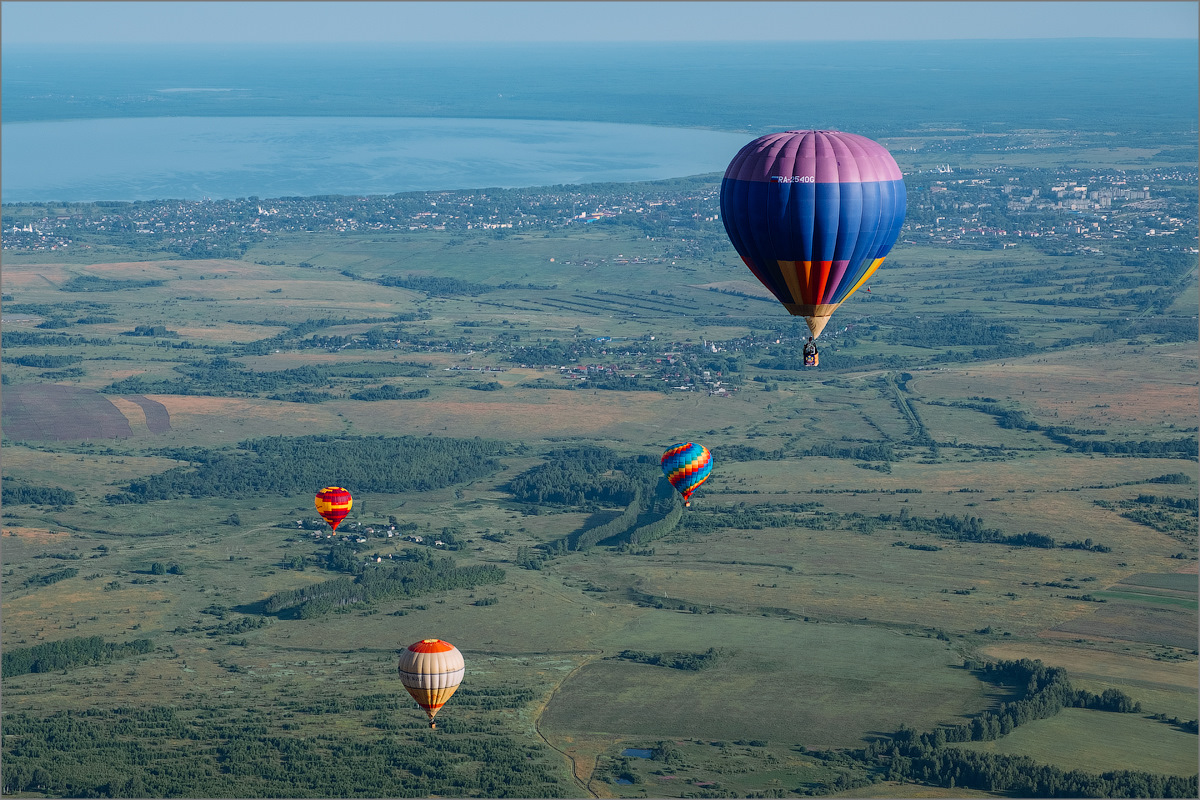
281 465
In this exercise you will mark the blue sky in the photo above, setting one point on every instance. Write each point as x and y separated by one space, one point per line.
25 22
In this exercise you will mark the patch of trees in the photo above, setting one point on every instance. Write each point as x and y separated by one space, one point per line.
29 338
296 332
1183 503
528 558
1171 515
289 465
95 319
555 353
22 495
151 330
660 527
222 377
951 330
92 283
875 451
970 529
215 751
74 652
585 539
302 396
435 286
50 577
1185 725
926 758
622 383
929 547
486 386
1184 447
575 475
43 361
378 582
1168 329
744 517
1174 477
692 662
389 392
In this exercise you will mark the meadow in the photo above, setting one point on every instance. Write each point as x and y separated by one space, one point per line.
858 542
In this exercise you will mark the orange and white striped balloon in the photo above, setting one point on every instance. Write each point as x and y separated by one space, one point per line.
431 671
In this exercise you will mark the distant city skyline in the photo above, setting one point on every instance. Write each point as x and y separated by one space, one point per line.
25 22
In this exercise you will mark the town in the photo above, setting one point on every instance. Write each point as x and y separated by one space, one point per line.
995 207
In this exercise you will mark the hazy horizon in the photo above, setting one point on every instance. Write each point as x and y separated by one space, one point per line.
543 22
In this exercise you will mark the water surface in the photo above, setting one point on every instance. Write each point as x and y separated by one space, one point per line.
193 158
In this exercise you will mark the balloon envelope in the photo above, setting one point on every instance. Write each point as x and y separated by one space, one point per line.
431 671
812 214
686 466
333 503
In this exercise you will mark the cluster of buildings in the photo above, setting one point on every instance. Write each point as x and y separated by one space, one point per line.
177 223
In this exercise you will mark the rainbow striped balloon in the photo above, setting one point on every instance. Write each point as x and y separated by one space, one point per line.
333 503
686 466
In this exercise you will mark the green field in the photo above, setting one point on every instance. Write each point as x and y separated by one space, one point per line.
859 539
1097 742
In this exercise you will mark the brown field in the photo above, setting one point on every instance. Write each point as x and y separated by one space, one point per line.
36 535
53 411
529 413
133 413
1165 625
230 418
42 615
1120 389
158 420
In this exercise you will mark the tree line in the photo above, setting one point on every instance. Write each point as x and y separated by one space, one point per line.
389 392
970 529
67 653
926 758
290 465
433 285
691 662
1183 447
222 377
378 582
23 495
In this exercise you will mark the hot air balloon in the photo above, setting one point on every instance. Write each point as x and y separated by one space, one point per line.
333 503
686 466
431 671
812 214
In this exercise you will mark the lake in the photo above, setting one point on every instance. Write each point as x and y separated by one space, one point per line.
118 122
192 158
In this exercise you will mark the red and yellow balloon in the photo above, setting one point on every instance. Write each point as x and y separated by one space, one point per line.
333 503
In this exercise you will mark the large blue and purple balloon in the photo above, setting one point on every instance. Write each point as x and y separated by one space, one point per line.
813 213
686 466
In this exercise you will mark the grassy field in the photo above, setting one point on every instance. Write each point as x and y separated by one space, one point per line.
841 623
780 681
1094 741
